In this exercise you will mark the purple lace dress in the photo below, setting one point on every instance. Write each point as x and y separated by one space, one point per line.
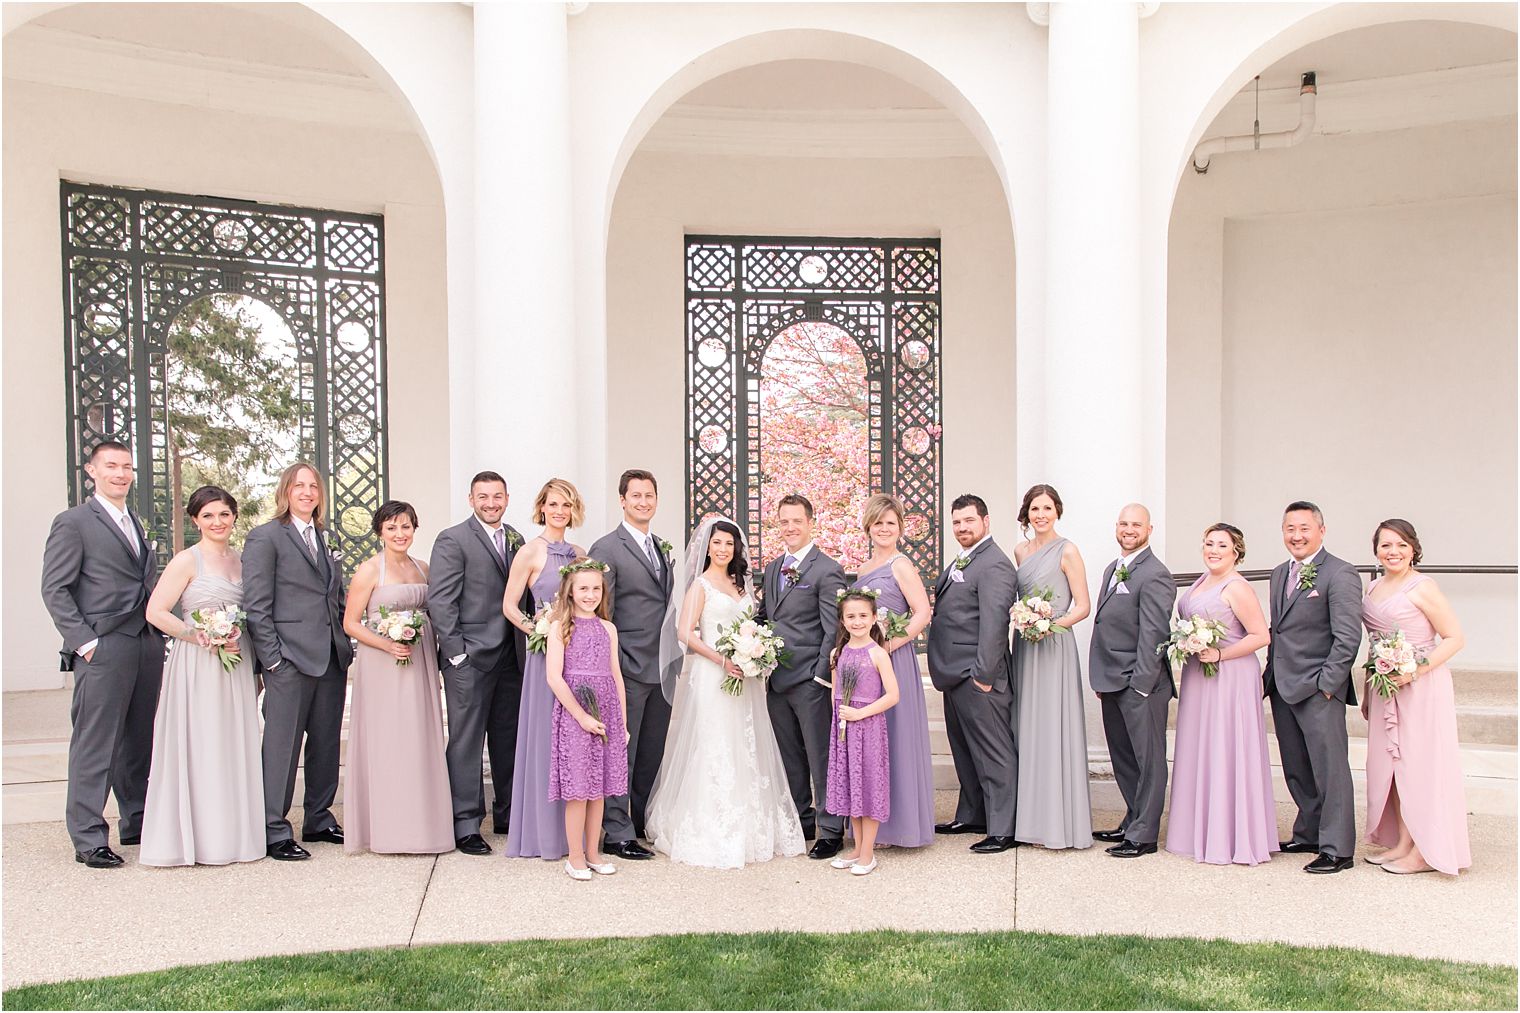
860 780
582 765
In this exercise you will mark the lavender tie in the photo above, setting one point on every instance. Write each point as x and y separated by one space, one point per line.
1293 572
654 560
501 543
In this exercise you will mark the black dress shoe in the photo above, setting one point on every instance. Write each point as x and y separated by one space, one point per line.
631 850
287 851
1325 864
826 847
332 835
100 858
472 844
957 827
1298 848
132 841
1129 849
1111 836
992 845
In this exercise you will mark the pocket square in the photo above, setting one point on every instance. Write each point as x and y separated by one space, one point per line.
1314 594
1121 589
802 587
957 577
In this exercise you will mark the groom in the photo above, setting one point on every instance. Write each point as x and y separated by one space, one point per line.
800 589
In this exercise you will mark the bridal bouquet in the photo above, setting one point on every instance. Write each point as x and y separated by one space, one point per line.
222 628
754 647
1193 636
402 626
538 640
1034 618
1389 654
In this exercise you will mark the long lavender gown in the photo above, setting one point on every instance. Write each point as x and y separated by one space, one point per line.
911 824
1222 809
537 827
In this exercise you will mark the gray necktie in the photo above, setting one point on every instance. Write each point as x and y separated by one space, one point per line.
311 543
654 559
1293 572
501 543
126 529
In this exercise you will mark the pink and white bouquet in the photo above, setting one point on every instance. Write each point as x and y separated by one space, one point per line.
402 626
1033 616
538 640
1192 636
754 647
223 629
1390 655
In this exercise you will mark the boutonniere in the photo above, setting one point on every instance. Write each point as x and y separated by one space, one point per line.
514 540
666 549
961 562
791 575
1306 575
1121 575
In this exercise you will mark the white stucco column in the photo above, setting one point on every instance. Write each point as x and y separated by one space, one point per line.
524 406
1095 388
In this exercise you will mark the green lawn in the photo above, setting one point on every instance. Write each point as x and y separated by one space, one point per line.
872 970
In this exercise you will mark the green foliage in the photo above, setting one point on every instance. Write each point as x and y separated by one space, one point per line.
791 970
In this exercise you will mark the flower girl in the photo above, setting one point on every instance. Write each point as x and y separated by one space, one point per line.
588 744
865 688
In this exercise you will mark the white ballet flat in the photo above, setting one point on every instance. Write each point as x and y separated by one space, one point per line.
842 863
602 868
580 875
863 870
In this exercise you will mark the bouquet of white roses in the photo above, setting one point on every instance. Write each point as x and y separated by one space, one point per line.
223 629
402 626
1389 654
538 640
1034 618
754 647
1193 636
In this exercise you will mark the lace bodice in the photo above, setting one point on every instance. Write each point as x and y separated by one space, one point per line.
720 610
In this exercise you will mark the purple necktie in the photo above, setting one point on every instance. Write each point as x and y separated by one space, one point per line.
1293 571
501 543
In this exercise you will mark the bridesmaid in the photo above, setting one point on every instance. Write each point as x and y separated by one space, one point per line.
1416 806
1054 809
1222 809
205 801
537 826
396 782
911 823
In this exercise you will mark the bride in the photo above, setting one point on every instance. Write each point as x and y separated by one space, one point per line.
721 798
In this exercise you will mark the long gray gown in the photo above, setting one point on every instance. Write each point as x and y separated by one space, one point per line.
1054 809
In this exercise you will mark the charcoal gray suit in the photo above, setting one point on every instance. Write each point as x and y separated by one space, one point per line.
1316 634
467 582
639 590
294 600
800 695
968 640
96 587
1136 686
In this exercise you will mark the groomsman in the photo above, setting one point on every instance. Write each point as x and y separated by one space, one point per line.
481 656
971 664
800 589
98 570
1316 632
639 584
1135 600
293 594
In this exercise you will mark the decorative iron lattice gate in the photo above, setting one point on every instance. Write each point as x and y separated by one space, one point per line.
741 292
132 259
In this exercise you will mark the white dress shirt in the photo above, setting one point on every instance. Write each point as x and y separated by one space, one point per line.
1124 562
644 539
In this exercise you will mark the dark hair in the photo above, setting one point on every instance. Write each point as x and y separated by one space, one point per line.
104 445
486 476
738 567
205 496
391 509
796 499
1039 490
633 474
1303 504
965 500
1404 530
1237 538
842 637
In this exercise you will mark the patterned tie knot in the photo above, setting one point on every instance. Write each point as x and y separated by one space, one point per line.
789 563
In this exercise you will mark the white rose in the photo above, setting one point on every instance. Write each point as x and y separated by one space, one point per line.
1205 635
221 627
1043 625
748 628
1185 626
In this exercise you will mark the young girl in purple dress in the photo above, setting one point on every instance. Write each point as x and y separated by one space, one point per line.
588 743
865 688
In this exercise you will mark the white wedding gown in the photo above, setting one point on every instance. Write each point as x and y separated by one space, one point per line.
721 798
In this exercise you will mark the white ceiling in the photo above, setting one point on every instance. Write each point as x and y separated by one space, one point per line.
809 84
1392 50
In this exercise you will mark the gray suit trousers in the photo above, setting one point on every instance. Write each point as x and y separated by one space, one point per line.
111 745
981 727
297 705
483 711
1135 727
648 724
801 718
1311 736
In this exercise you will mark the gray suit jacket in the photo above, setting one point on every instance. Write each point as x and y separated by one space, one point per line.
968 638
1127 628
806 616
92 581
640 595
294 602
1316 634
467 581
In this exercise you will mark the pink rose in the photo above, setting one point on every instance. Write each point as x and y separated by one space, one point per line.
407 633
1383 666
